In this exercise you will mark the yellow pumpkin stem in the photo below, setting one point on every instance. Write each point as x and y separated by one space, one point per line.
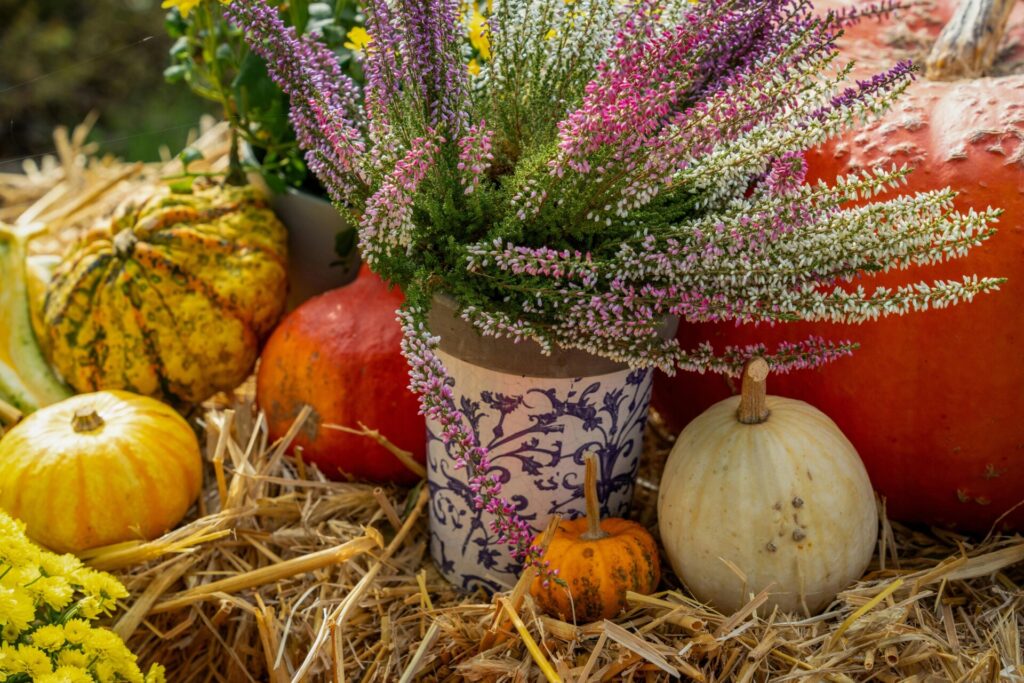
86 420
753 396
969 43
593 532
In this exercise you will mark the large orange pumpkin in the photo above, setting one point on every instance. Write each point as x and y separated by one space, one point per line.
340 353
932 401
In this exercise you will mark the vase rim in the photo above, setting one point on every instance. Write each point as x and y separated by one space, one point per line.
525 358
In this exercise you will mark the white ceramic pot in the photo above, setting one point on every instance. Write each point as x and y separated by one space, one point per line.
538 416
313 227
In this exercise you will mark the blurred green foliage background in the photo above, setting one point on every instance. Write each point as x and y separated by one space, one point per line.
61 59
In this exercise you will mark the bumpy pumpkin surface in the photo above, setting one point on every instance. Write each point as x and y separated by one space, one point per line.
933 400
172 299
599 561
99 468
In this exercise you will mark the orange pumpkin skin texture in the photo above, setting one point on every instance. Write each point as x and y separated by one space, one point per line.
97 469
340 353
598 572
171 300
932 401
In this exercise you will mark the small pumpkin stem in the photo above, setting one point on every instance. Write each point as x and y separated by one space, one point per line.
753 396
594 531
86 420
124 243
969 43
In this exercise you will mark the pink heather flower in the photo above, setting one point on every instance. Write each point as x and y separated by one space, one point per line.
387 220
475 155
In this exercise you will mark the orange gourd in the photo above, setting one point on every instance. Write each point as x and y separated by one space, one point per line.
97 469
598 561
340 353
932 401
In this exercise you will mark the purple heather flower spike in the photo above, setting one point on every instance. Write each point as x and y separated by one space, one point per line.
323 99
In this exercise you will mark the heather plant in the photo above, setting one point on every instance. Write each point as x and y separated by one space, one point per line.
612 163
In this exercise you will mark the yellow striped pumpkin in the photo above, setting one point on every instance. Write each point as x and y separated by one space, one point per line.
172 299
100 468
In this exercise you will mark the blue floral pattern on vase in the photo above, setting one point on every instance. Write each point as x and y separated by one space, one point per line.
537 430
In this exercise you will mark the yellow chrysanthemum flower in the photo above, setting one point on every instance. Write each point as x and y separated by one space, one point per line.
101 586
105 643
156 674
76 631
66 674
34 578
13 550
16 612
8 659
49 637
358 39
34 661
59 565
72 658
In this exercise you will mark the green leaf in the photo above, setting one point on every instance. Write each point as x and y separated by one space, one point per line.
321 11
274 182
188 155
224 53
182 185
253 85
298 13
175 73
174 23
180 48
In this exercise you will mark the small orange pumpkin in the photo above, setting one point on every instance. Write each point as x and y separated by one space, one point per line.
598 560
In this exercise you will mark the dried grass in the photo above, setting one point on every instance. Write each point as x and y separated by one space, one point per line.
284 576
274 599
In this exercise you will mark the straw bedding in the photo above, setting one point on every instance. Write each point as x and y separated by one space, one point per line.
281 575
293 577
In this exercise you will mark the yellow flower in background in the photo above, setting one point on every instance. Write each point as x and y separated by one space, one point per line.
478 35
185 6
156 674
358 39
474 67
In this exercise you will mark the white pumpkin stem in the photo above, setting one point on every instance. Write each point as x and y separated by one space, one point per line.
594 531
86 420
754 395
969 43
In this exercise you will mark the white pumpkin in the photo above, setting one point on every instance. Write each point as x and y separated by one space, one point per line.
771 486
